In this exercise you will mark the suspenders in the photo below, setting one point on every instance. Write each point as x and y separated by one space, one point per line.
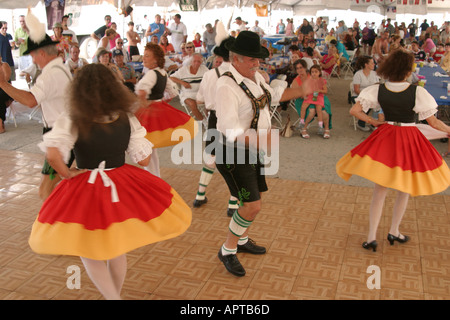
257 104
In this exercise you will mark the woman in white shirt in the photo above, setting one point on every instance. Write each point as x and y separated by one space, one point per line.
363 78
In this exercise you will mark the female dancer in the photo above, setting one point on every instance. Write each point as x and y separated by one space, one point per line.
104 208
396 155
157 116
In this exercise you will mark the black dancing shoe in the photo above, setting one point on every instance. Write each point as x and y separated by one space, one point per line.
392 239
230 212
370 245
232 264
251 247
199 203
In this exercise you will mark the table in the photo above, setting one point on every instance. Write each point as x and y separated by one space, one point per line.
138 66
435 85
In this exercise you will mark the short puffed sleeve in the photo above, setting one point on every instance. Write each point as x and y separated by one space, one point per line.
426 105
139 147
368 98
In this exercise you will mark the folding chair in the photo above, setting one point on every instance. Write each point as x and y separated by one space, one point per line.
335 71
34 111
275 115
347 65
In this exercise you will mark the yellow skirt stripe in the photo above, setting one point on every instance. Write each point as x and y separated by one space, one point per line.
119 238
416 184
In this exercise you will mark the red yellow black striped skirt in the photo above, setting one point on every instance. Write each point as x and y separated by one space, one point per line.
400 158
166 126
80 217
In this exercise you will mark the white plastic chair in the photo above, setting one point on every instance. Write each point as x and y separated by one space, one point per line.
274 113
12 114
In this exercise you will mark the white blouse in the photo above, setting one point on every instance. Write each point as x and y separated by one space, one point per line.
425 106
64 135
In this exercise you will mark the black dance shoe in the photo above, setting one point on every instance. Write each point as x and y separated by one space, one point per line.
370 245
232 264
392 239
199 203
251 247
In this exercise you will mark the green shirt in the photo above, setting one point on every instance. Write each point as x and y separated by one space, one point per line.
20 33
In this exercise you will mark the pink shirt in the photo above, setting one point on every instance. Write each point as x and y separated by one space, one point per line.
429 45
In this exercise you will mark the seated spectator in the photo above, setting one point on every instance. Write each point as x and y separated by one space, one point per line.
179 58
294 50
303 75
190 50
266 44
308 56
316 52
119 45
104 57
74 62
445 60
128 73
189 78
439 53
330 36
428 45
165 45
329 60
395 43
340 50
363 78
418 54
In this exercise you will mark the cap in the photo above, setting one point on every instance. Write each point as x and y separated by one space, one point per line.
117 52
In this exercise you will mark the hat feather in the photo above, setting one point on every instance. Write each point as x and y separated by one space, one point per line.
221 33
37 31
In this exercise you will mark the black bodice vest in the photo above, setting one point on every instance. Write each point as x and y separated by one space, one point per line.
158 90
110 143
398 106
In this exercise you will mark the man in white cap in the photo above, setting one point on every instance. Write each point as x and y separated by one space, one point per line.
243 118
49 91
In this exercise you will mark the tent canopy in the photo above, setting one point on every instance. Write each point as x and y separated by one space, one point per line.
299 7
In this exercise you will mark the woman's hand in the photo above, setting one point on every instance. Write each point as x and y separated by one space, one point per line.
73 172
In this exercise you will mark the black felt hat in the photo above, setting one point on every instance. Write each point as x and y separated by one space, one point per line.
221 50
248 44
31 45
38 38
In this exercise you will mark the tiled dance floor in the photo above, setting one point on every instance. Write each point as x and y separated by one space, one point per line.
313 233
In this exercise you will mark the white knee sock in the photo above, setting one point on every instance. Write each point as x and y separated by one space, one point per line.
376 210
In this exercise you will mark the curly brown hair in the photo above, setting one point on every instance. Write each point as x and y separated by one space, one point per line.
396 66
158 53
95 93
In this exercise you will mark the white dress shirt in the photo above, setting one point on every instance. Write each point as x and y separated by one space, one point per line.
50 90
234 108
207 91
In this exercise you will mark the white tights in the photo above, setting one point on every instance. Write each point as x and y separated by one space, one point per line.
108 277
376 210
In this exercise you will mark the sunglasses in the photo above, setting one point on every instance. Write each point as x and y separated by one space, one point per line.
189 47
120 42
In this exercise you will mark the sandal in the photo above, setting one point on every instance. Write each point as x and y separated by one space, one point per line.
305 134
326 135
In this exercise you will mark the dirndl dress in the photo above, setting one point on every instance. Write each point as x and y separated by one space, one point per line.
114 207
398 155
166 126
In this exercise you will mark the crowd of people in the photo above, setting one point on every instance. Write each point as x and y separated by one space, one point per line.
96 112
